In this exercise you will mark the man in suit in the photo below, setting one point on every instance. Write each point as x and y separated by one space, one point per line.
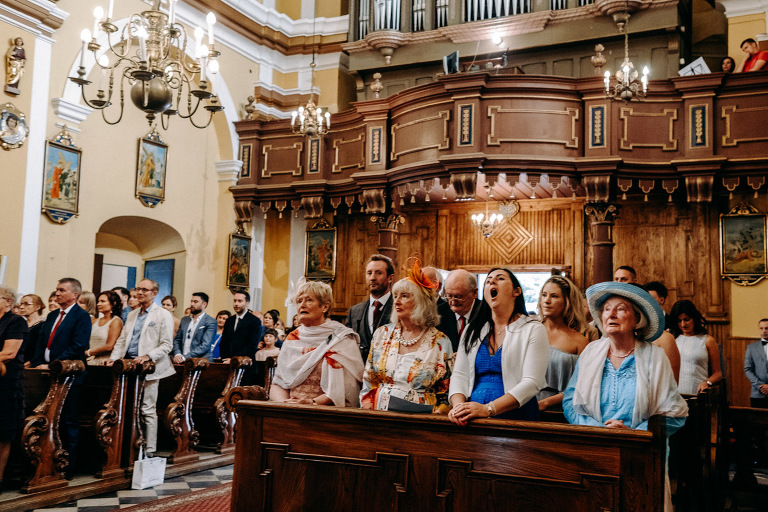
756 367
625 274
461 305
241 334
367 316
66 335
147 335
195 335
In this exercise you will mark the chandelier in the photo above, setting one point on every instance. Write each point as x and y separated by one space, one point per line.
627 85
149 55
310 120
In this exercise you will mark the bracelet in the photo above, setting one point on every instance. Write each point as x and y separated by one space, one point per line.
709 384
491 409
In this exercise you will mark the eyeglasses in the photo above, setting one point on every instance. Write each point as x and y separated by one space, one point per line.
145 290
456 298
25 304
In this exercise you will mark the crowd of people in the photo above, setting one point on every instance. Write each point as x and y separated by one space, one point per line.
610 357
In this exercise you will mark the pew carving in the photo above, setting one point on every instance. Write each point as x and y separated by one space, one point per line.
226 417
40 436
302 457
120 417
178 414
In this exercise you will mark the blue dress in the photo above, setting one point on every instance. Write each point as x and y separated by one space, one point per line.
489 385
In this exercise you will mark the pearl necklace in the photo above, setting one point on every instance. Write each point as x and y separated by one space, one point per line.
407 343
614 354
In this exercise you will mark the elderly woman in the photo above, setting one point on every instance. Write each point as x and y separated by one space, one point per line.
622 379
320 361
561 310
502 361
13 332
699 355
409 359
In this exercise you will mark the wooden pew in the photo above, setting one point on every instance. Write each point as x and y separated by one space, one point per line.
747 422
40 436
178 414
227 417
299 457
117 424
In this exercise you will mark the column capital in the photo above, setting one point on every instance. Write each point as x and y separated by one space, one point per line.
228 170
602 213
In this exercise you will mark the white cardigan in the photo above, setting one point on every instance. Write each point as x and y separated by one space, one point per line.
524 361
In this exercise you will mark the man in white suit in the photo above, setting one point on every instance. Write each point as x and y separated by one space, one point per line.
148 335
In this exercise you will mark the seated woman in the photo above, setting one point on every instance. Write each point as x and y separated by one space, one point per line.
106 329
502 360
320 361
622 379
561 310
409 358
698 350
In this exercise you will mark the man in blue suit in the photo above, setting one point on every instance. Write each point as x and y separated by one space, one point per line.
756 367
195 335
65 336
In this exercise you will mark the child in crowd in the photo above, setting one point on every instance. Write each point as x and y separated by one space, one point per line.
267 347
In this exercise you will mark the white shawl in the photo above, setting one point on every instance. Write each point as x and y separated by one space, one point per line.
332 345
655 392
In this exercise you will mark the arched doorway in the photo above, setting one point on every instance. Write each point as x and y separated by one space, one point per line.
129 248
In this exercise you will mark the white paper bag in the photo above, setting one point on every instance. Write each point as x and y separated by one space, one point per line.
148 471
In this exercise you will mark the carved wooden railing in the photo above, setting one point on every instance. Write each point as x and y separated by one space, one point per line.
226 417
119 419
178 414
40 437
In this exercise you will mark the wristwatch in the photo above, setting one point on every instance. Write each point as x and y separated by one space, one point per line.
709 383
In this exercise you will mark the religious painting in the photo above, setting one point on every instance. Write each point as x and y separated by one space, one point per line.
13 127
743 245
320 257
61 178
239 262
151 170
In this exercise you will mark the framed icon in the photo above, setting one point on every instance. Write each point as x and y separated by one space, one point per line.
151 170
239 261
743 245
320 256
61 178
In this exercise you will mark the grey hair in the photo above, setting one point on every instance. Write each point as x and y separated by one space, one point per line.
468 277
77 288
6 292
320 290
425 311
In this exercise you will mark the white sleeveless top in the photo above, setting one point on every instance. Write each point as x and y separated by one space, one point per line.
694 362
98 339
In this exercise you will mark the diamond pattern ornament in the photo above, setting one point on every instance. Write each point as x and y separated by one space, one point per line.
509 239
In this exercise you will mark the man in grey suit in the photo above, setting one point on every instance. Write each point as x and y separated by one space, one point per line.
461 305
756 367
147 335
367 316
194 338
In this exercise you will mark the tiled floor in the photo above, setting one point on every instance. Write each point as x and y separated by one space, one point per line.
124 499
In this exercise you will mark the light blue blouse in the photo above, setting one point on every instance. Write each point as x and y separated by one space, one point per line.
617 398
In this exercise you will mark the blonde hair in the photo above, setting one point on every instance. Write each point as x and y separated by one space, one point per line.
90 302
320 290
425 311
573 313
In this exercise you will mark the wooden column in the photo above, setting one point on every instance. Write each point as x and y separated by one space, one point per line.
228 418
389 232
119 419
40 437
178 414
601 216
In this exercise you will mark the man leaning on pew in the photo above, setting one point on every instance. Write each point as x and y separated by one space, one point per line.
147 335
756 367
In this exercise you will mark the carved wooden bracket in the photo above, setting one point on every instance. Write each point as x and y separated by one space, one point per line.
120 416
244 393
227 419
178 414
375 200
598 188
243 214
313 206
40 436
699 188
389 223
465 184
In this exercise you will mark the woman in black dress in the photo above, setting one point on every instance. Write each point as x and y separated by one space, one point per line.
32 308
13 331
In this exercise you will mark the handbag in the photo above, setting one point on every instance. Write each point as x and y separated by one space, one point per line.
148 471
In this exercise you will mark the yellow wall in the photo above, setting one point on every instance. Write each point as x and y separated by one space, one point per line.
285 80
748 305
739 29
277 241
291 8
